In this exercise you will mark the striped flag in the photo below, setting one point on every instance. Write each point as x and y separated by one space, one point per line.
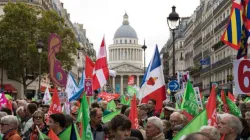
101 71
232 34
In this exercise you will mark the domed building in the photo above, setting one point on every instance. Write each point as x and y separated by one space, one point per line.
125 57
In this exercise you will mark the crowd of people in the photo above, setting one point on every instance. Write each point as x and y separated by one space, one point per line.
26 117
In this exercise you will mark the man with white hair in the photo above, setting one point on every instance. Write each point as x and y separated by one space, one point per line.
211 131
9 126
230 126
154 129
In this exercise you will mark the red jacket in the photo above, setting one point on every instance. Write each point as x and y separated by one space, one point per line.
12 135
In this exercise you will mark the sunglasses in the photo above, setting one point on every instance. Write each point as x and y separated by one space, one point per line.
37 117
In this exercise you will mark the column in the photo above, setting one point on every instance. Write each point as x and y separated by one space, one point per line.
127 54
121 84
138 77
130 57
120 52
113 83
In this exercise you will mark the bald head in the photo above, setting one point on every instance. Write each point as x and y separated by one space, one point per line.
176 118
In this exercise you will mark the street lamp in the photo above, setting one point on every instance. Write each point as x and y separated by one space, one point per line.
173 21
39 46
144 47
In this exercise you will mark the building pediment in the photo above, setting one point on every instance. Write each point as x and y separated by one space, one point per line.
125 67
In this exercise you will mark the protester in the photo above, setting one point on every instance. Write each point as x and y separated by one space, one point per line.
152 111
211 131
39 123
167 112
96 123
31 108
45 108
57 123
154 129
104 105
230 126
197 136
142 114
9 128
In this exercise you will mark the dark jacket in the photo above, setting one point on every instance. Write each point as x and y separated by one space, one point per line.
98 133
136 133
154 113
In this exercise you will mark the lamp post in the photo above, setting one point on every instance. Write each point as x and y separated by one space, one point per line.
39 46
144 47
173 21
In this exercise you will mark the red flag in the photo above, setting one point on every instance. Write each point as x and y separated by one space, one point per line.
189 117
131 80
133 114
223 98
52 135
211 108
223 137
231 97
55 106
89 67
101 71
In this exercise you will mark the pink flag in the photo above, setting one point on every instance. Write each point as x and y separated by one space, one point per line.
3 100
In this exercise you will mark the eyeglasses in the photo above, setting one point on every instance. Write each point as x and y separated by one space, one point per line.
37 117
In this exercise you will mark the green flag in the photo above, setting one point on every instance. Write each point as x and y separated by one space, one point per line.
86 131
194 125
41 136
189 102
233 108
176 106
110 116
220 103
111 105
247 99
124 101
131 90
65 135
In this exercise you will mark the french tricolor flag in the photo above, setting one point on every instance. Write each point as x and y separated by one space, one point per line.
153 84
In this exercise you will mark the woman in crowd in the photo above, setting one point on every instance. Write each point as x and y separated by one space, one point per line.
9 126
39 123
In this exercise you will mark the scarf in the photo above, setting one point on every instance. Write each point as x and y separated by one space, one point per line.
34 132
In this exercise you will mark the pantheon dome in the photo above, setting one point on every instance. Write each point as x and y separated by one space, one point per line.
125 56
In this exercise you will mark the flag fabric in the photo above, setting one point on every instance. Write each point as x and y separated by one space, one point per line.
211 108
232 35
72 89
133 114
65 135
124 100
42 136
52 135
231 97
131 80
153 84
185 113
86 130
47 97
111 105
101 71
131 90
193 126
55 106
205 61
110 116
89 67
66 108
3 100
233 109
189 102
224 101
74 133
247 99
81 82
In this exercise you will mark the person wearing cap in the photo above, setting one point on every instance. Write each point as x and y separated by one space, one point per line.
167 112
143 114
45 108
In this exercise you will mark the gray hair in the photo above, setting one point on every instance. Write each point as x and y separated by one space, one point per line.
247 113
214 134
2 114
234 122
157 122
10 120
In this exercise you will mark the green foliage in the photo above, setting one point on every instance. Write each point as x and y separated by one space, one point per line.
20 29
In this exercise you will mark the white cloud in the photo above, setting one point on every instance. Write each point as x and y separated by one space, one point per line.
147 17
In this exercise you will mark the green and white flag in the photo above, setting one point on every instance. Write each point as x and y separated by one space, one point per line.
189 102
233 108
110 116
86 131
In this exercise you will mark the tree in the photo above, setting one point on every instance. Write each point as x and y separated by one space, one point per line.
20 29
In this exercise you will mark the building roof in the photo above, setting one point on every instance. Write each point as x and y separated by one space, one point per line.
125 30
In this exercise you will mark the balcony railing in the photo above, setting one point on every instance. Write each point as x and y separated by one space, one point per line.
207 36
218 45
198 42
195 71
188 39
189 54
197 29
221 25
210 18
206 52
197 56
217 9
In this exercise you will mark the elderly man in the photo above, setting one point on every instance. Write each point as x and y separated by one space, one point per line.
175 119
154 129
96 123
230 126
211 131
197 136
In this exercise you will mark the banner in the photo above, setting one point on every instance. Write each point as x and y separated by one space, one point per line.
131 80
178 97
71 87
182 78
242 76
88 87
198 97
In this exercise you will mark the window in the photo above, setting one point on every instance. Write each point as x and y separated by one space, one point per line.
120 41
130 41
134 41
125 41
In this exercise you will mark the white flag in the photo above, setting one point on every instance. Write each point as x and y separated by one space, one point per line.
47 97
71 87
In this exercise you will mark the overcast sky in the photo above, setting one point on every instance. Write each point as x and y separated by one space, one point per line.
147 17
